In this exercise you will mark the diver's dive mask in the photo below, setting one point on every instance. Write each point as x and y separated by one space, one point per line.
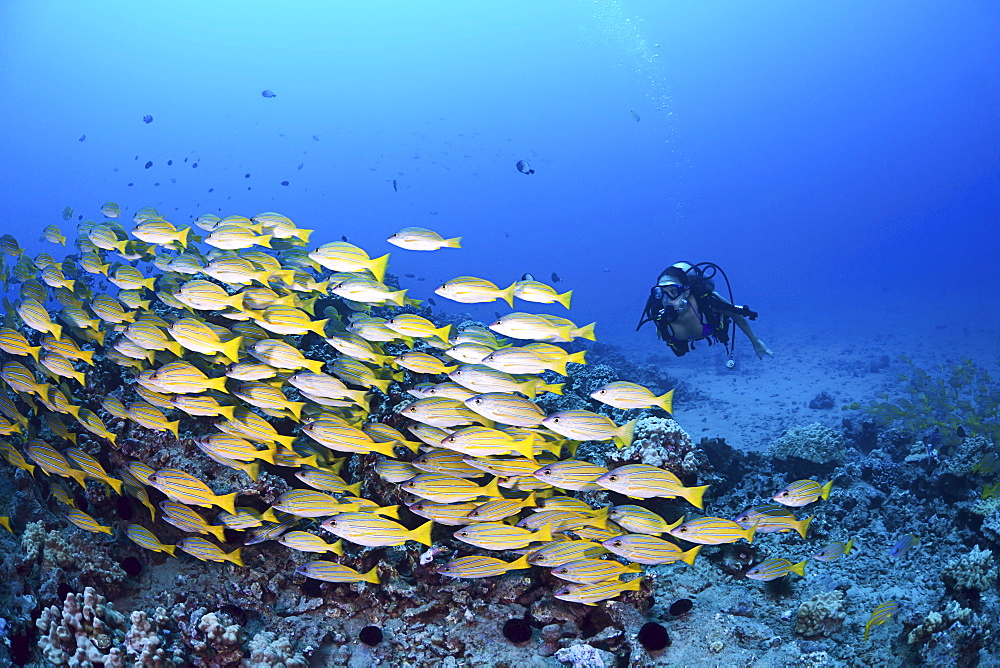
668 292
669 300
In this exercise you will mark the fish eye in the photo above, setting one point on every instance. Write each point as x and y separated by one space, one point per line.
618 543
465 533
474 513
547 472
554 420
613 478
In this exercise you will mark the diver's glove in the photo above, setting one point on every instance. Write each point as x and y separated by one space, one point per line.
761 349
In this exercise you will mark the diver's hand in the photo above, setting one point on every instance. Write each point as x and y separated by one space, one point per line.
761 349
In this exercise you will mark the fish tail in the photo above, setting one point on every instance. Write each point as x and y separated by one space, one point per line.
79 476
268 454
263 240
377 267
360 397
579 357
314 366
564 298
824 492
392 512
174 428
148 283
234 556
104 529
666 401
318 326
803 526
33 351
492 489
169 549
455 242
337 548
218 384
508 294
443 332
529 501
587 332
543 535
637 568
384 448
236 301
519 563
382 384
227 502
269 516
632 585
372 576
554 388
422 534
559 366
108 435
252 469
218 531
529 388
116 484
397 297
623 435
848 546
303 234
182 237
868 627
68 284
693 495
799 568
296 408
285 440
228 412
749 533
412 446
525 447
56 330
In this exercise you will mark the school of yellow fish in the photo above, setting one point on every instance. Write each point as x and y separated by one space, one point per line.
215 333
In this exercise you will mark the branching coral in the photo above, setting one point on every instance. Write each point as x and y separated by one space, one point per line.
82 632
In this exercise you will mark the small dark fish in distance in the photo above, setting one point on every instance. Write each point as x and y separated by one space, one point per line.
247 175
420 278
147 119
315 138
430 300
524 167
409 275
170 162
284 183
394 188
267 93
301 165
961 431
433 213
149 163
555 277
83 137
343 237
635 116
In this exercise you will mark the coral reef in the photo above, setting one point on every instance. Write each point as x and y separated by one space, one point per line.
813 443
821 615
973 570
82 632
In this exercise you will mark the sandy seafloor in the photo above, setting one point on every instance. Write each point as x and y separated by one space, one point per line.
754 403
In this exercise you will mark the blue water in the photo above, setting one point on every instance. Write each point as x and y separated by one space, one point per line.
838 159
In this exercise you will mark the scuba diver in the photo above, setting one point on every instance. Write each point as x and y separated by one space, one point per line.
685 308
